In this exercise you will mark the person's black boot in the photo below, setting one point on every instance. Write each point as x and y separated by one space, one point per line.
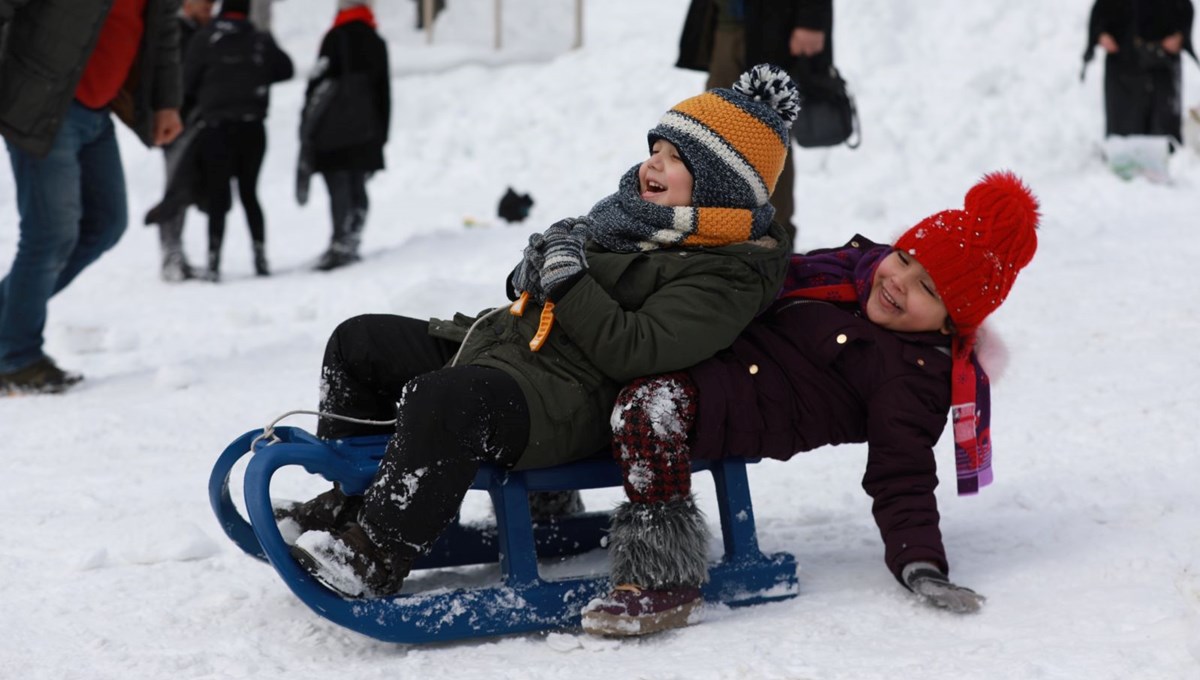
331 511
350 563
213 273
338 255
260 259
175 267
43 377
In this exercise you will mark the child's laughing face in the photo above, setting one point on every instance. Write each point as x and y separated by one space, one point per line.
663 179
903 297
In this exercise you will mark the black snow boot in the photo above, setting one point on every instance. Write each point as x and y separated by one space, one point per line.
260 259
350 563
213 273
338 255
43 377
331 511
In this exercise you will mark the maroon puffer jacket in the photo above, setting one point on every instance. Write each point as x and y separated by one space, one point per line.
808 373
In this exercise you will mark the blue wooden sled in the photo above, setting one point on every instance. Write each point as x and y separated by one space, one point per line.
523 601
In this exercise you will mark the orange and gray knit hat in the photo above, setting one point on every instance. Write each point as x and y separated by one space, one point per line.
974 255
734 140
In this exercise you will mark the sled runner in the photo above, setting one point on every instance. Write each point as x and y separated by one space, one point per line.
523 601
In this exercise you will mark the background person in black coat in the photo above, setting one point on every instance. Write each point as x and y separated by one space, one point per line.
724 37
193 15
352 50
226 74
1143 40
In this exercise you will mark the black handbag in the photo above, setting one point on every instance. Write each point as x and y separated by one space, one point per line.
351 117
827 115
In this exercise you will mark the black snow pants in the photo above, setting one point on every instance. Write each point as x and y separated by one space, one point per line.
232 150
348 204
448 421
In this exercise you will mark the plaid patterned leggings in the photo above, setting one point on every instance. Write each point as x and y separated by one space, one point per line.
651 422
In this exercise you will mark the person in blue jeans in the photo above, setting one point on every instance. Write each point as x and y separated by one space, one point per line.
65 66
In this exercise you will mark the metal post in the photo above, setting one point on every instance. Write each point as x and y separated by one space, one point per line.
578 25
499 26
427 19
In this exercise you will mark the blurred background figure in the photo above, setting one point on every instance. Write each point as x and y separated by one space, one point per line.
260 14
226 74
347 113
193 14
1142 40
63 67
435 8
725 37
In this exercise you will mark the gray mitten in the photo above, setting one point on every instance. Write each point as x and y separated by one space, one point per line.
527 276
564 253
931 585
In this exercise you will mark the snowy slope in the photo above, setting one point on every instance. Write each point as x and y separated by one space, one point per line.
1086 546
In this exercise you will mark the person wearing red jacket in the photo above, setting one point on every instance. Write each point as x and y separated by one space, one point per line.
64 66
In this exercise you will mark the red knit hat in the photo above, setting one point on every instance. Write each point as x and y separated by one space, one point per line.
973 255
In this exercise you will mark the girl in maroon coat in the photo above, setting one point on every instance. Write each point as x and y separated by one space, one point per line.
867 343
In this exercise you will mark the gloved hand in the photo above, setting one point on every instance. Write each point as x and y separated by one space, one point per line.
563 252
527 276
931 585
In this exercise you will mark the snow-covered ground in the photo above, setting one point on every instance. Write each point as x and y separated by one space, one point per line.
1088 547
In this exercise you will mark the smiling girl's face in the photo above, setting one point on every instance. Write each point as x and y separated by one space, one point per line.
663 179
904 298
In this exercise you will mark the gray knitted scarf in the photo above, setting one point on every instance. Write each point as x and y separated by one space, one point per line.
625 223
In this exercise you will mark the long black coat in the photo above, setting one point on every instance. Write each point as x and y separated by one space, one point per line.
355 47
768 25
44 47
1141 97
809 373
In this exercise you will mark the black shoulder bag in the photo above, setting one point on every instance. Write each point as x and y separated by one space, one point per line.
827 115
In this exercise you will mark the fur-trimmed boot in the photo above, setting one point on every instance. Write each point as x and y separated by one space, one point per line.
659 562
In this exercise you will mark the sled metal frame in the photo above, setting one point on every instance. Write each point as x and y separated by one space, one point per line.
523 601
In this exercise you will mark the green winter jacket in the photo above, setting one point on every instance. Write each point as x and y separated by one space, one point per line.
632 314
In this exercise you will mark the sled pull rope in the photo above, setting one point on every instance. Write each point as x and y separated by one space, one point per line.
269 430
454 361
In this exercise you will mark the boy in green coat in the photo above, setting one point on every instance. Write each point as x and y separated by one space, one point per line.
658 276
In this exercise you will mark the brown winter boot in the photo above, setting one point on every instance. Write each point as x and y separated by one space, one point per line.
42 377
331 511
631 610
350 563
